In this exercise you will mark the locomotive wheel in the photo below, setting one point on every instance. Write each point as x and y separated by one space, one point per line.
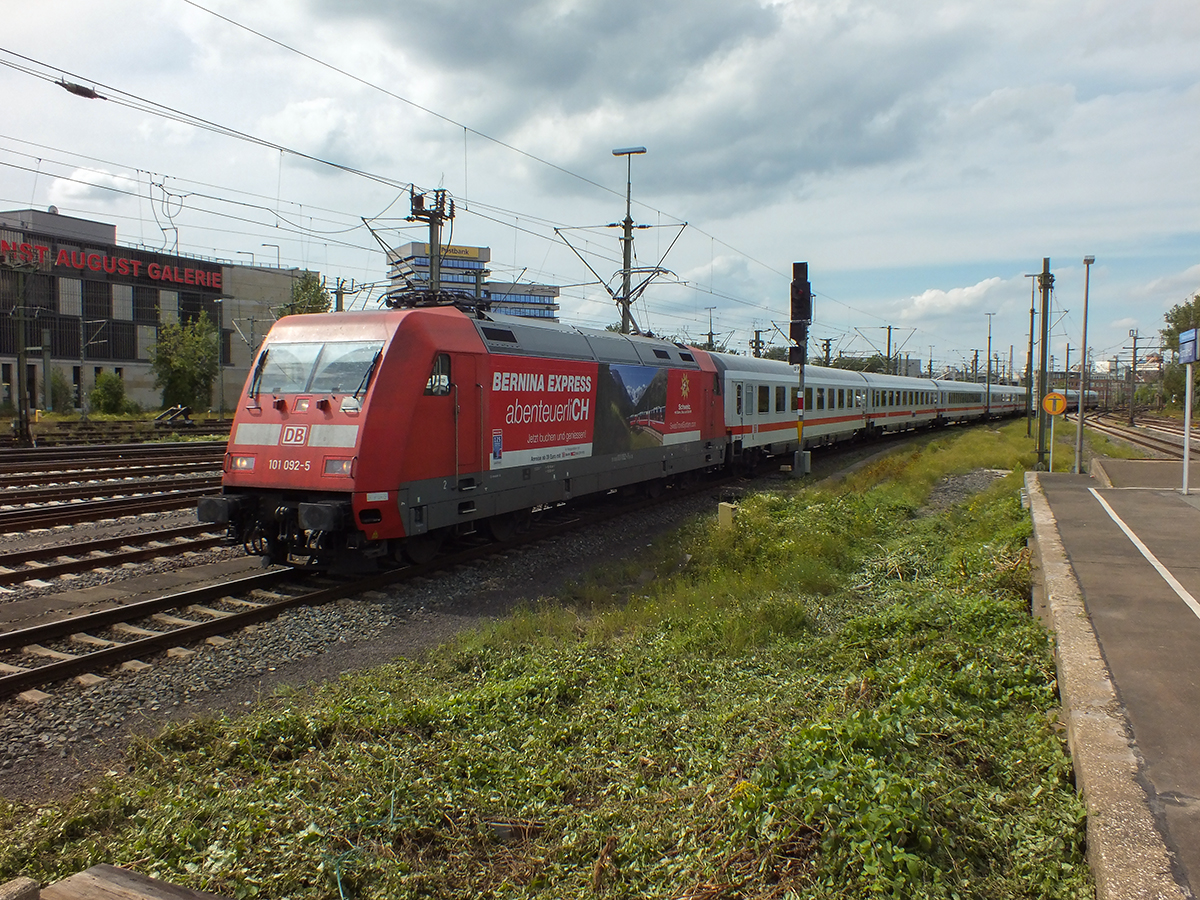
422 548
654 489
504 527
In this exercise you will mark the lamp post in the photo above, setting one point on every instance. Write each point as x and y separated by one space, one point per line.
278 265
220 303
1029 364
627 234
248 253
988 381
1087 281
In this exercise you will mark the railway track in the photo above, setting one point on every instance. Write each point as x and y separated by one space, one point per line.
68 559
25 519
50 487
87 645
52 458
1169 445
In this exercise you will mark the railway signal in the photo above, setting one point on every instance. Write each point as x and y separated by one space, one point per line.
800 319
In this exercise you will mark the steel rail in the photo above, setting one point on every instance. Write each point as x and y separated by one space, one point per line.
59 475
72 566
88 511
107 489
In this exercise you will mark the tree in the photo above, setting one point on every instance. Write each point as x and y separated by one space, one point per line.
309 295
62 392
184 362
108 396
1181 317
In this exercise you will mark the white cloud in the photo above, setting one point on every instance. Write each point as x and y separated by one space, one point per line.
933 304
85 187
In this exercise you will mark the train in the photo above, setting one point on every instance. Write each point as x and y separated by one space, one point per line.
366 437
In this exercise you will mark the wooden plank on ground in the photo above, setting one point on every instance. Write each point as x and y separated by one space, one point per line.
104 882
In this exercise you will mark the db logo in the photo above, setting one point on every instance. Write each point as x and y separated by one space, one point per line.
294 434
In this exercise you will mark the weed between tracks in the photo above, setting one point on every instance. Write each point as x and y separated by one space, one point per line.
836 698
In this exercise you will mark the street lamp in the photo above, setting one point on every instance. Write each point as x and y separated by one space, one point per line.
249 254
627 238
1087 280
988 380
278 265
220 303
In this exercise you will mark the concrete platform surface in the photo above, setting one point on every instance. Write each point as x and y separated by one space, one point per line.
1121 573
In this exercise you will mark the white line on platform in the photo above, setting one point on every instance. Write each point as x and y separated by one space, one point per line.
1150 557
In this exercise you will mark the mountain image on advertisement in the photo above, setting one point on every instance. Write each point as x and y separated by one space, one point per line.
635 380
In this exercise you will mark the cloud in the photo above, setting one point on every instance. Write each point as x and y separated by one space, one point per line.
939 304
85 187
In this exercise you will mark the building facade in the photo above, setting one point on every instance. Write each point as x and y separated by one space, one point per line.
464 269
88 305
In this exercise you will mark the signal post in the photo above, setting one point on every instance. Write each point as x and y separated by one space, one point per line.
801 318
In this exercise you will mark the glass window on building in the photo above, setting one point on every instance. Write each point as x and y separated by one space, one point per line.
122 302
147 336
145 305
168 305
97 300
70 297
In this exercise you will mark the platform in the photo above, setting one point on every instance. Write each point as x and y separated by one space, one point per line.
1120 577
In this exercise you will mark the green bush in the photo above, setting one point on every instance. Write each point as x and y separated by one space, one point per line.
108 396
62 392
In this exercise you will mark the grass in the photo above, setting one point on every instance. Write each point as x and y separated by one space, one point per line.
837 697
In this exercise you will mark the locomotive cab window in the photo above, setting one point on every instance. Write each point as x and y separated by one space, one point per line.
329 367
438 384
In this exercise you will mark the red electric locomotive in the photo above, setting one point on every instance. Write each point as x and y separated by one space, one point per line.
373 434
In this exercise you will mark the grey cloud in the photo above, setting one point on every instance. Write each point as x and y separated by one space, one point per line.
727 94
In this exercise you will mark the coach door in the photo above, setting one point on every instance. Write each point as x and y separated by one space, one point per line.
468 408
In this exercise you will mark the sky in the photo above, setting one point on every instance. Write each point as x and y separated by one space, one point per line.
922 157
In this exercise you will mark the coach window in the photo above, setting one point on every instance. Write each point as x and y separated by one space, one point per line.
820 398
780 399
764 398
795 399
808 398
841 398
738 394
438 384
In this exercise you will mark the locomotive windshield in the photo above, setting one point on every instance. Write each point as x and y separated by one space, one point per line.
332 367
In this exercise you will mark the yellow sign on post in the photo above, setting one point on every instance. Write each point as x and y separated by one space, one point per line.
1054 403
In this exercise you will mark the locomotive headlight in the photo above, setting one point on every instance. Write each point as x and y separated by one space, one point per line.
339 466
241 464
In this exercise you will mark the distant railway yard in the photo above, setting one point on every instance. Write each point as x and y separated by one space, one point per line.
623 698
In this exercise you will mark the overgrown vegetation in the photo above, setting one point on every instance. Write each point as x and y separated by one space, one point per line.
844 695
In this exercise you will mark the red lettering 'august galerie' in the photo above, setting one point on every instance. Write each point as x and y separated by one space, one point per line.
111 265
